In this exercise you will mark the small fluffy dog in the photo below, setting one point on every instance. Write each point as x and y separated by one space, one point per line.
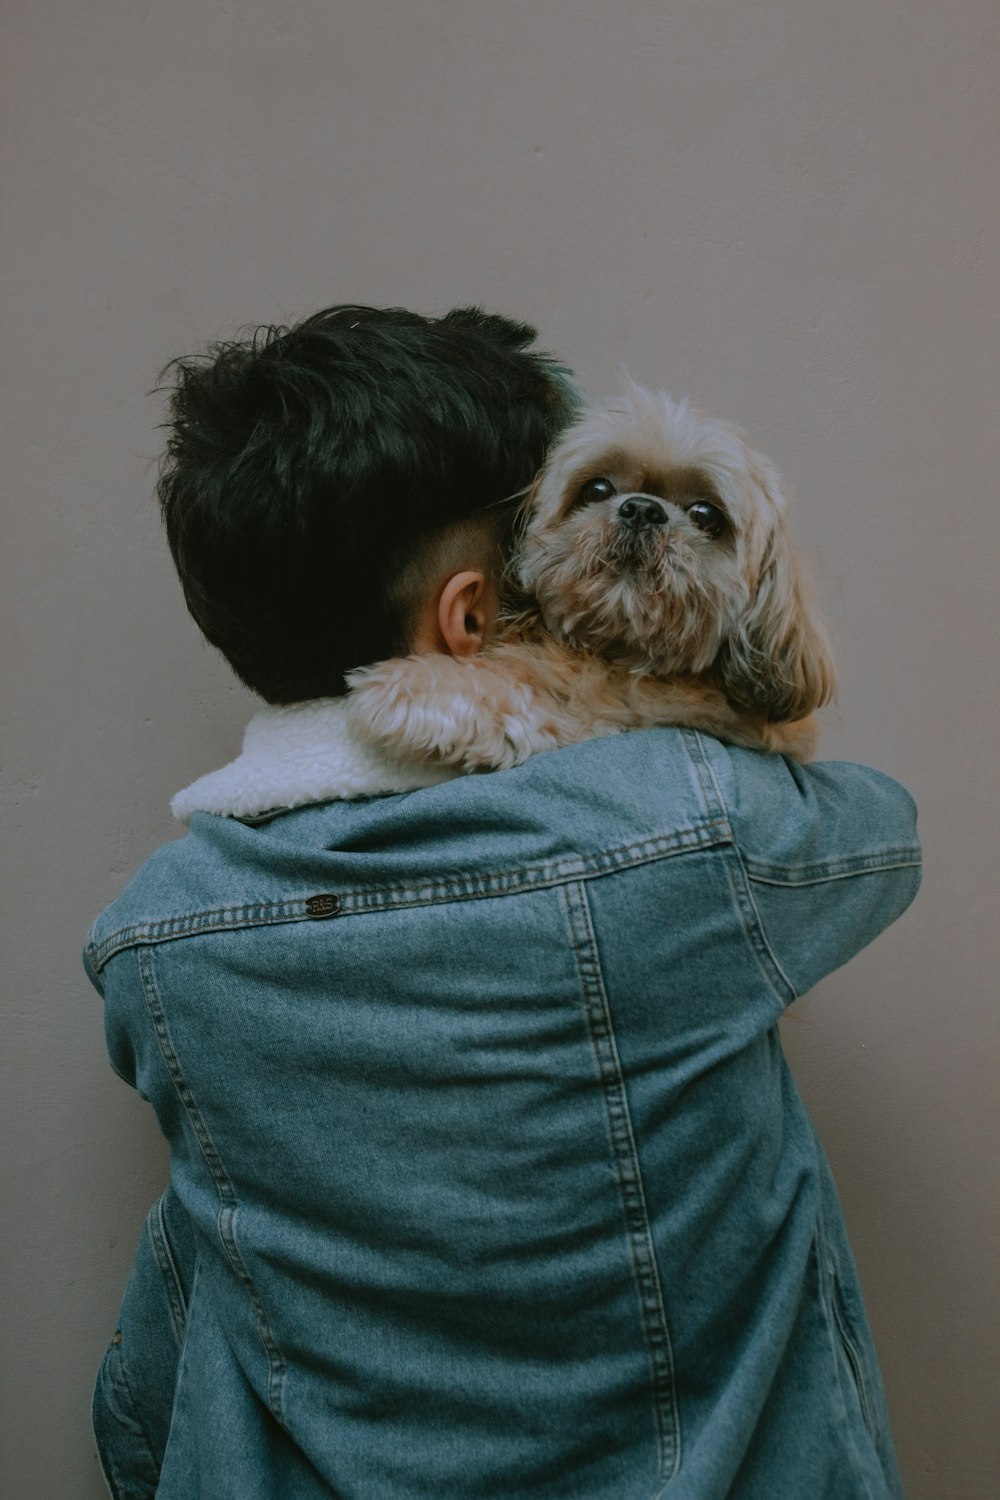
654 583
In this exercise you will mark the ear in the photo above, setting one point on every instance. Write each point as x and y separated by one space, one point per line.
777 658
465 613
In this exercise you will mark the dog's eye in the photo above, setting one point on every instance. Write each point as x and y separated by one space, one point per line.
707 518
595 489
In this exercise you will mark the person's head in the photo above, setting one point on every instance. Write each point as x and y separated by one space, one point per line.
323 485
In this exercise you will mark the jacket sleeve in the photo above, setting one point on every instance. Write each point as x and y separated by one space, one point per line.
119 1051
831 857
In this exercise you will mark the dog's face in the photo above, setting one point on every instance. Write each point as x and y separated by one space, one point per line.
656 540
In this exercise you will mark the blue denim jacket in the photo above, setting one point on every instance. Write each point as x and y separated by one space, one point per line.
489 1178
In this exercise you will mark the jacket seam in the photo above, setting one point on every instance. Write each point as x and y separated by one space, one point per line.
825 1293
168 1268
131 1420
705 835
742 892
821 874
754 931
708 785
112 1489
853 1356
228 1203
629 1175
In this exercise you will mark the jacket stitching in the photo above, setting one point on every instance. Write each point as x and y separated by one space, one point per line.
226 1221
131 1419
708 786
739 885
853 1357
814 873
839 1327
821 874
705 835
105 1462
168 1268
755 931
837 1352
629 1174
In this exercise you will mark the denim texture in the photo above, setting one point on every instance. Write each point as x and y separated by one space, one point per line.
489 1178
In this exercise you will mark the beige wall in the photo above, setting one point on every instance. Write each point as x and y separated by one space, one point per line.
789 210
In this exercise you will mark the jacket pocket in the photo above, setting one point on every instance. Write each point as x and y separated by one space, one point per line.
134 1396
130 1468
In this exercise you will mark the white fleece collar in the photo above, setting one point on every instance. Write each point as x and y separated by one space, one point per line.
297 755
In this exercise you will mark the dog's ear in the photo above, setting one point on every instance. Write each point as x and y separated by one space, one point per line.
777 658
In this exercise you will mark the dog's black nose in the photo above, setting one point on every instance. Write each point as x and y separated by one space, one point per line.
642 510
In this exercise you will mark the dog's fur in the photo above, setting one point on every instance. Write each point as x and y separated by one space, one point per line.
624 614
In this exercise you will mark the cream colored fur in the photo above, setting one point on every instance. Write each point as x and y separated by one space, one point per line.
613 625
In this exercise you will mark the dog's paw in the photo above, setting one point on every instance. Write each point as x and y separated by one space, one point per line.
390 704
454 711
797 738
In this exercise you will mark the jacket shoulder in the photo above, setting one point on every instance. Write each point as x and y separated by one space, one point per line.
184 874
128 908
817 821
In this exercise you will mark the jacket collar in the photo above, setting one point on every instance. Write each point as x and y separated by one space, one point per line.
300 754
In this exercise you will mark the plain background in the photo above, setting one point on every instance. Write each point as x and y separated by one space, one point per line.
788 210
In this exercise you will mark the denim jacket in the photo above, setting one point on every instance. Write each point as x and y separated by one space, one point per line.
488 1175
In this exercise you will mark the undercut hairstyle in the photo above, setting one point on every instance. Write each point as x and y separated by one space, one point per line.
483 541
314 473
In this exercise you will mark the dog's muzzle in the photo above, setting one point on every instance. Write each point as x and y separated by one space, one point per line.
640 511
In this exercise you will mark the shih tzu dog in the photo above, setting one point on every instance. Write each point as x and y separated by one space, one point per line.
653 584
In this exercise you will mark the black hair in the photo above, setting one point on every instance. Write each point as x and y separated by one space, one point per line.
304 464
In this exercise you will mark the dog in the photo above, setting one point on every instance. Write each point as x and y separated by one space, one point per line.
653 583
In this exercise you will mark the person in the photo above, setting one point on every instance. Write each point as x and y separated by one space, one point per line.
488 1175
